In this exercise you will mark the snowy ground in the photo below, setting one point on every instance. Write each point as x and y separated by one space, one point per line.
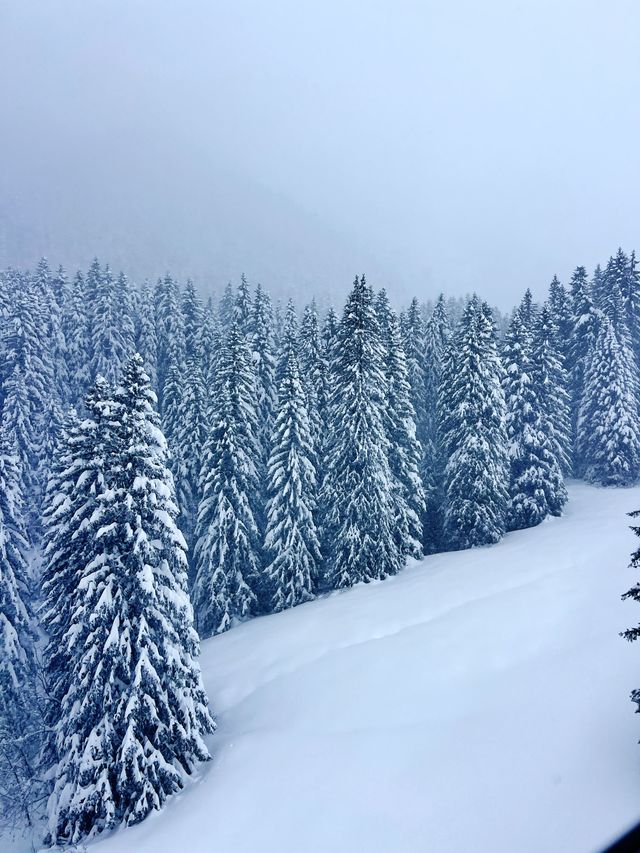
477 702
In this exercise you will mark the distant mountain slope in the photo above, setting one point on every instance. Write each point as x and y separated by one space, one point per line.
148 217
478 701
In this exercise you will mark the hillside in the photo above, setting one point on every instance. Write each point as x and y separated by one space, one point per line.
476 702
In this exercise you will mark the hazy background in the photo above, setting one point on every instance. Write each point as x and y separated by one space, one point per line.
435 145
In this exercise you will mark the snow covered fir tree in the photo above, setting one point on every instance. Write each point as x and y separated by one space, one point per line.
173 463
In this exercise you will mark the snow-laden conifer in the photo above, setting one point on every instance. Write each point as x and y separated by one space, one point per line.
473 437
436 340
227 551
536 487
608 428
586 322
551 383
20 726
292 549
134 713
404 450
358 489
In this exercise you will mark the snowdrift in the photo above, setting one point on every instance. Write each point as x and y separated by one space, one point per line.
477 702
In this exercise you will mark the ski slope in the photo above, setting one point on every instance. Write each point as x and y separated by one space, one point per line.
477 702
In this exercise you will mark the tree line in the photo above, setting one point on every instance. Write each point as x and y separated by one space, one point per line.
170 466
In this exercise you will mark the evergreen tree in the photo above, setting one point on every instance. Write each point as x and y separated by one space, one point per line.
473 437
528 311
76 330
135 710
551 382
170 333
19 724
76 479
358 490
436 341
192 430
111 333
146 339
608 428
536 488
242 307
559 307
405 453
586 322
193 314
227 550
291 541
226 306
264 365
413 342
313 372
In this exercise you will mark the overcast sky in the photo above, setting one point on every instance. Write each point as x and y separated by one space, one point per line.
453 145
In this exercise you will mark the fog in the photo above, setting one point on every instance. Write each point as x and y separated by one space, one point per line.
450 146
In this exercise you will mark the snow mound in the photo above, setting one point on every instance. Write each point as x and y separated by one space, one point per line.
476 702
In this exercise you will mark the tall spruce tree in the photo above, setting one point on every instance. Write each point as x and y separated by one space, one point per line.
227 551
358 489
291 541
436 341
551 383
135 711
473 436
608 427
536 487
559 307
586 323
313 371
405 452
20 727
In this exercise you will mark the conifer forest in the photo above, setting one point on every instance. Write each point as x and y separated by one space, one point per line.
319 426
172 466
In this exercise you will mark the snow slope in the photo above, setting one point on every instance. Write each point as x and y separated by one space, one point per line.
477 702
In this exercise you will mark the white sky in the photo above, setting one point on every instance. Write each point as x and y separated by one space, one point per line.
435 145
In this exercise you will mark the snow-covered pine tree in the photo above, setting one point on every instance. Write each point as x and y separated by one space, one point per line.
49 320
208 346
226 306
146 339
631 293
193 314
473 436
112 330
76 479
292 548
436 341
559 306
528 311
134 714
313 372
405 452
174 387
597 287
358 489
22 423
608 428
264 367
76 329
586 322
242 307
536 487
551 383
169 332
20 727
227 550
190 438
413 343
